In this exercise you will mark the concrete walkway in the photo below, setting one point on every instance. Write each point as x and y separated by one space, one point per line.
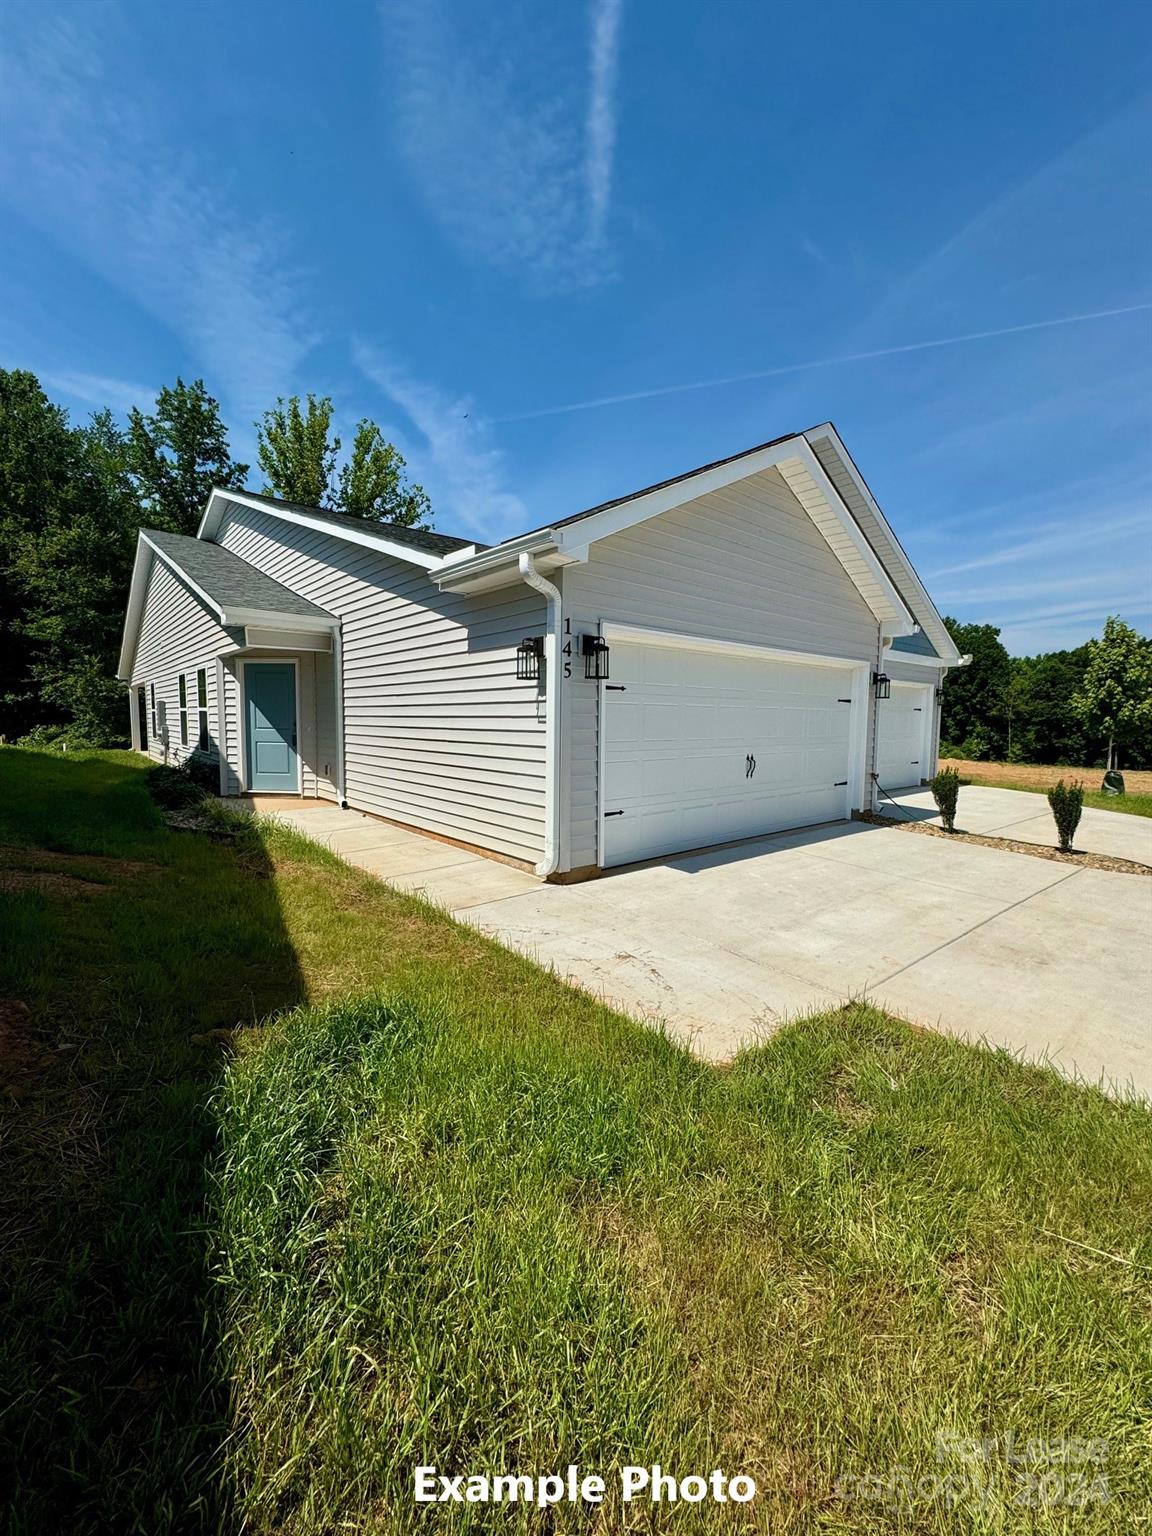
1044 958
1028 818
451 877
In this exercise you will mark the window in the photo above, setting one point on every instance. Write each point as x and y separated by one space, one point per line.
202 708
183 710
152 691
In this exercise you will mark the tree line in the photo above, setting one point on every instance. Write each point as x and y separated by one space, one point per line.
1088 707
73 497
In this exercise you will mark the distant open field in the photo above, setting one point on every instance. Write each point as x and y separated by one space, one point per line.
1038 776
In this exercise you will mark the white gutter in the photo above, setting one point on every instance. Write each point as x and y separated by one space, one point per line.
554 682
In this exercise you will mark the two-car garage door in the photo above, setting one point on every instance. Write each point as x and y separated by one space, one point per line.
703 746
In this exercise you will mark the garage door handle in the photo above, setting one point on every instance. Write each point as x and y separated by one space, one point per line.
612 813
750 766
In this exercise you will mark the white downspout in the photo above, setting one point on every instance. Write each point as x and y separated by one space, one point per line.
555 687
338 667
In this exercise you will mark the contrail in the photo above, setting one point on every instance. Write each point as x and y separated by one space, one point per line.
822 362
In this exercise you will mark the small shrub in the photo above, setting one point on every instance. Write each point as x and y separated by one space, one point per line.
945 789
204 771
1067 801
175 789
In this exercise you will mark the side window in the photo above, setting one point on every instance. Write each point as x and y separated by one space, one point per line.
152 693
183 710
202 709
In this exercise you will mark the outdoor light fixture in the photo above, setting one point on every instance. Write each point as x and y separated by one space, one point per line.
595 653
882 684
939 694
529 655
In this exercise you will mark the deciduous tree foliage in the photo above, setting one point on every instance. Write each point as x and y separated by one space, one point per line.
177 454
1115 694
298 455
295 451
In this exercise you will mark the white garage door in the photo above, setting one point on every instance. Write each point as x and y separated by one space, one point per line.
702 747
902 723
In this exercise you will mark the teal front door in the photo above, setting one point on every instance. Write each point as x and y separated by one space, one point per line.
270 687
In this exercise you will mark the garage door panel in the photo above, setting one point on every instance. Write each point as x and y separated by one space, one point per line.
678 738
902 724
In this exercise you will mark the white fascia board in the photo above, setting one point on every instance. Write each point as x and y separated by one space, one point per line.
213 515
141 565
910 658
493 567
909 570
878 592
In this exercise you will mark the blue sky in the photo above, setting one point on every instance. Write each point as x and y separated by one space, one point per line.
483 225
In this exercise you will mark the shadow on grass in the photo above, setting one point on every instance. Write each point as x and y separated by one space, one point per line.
130 954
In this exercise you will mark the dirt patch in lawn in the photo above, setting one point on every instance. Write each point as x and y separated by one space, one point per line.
81 866
1042 776
42 882
1034 850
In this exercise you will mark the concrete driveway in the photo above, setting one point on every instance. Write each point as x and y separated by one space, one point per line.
1047 959
1044 958
1028 818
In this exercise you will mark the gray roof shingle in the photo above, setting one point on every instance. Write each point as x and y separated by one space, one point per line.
418 538
229 580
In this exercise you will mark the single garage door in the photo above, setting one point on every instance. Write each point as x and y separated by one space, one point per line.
902 724
704 747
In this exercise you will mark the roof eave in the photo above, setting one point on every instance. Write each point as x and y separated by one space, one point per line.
214 514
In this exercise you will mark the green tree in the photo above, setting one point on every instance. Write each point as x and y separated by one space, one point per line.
37 455
178 453
295 451
975 707
1115 696
69 515
374 482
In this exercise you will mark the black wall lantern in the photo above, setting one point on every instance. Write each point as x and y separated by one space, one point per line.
939 694
882 684
595 653
529 655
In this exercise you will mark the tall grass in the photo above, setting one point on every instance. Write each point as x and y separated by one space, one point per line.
487 1251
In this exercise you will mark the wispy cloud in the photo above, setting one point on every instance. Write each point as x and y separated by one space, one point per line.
503 154
85 158
96 390
821 362
460 467
601 124
1085 533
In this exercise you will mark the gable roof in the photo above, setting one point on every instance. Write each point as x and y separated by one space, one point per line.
819 472
420 546
233 591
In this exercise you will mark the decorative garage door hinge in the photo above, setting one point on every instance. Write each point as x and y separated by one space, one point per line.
843 701
612 813
840 784
614 687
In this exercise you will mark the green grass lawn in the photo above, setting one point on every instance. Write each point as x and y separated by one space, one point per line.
444 1209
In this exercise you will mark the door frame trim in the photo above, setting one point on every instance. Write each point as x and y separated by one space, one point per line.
639 634
245 771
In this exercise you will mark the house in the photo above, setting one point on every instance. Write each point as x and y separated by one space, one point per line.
739 650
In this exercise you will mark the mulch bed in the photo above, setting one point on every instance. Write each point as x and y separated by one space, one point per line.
1104 861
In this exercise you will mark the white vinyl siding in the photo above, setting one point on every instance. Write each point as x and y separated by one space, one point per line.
438 733
177 636
745 564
